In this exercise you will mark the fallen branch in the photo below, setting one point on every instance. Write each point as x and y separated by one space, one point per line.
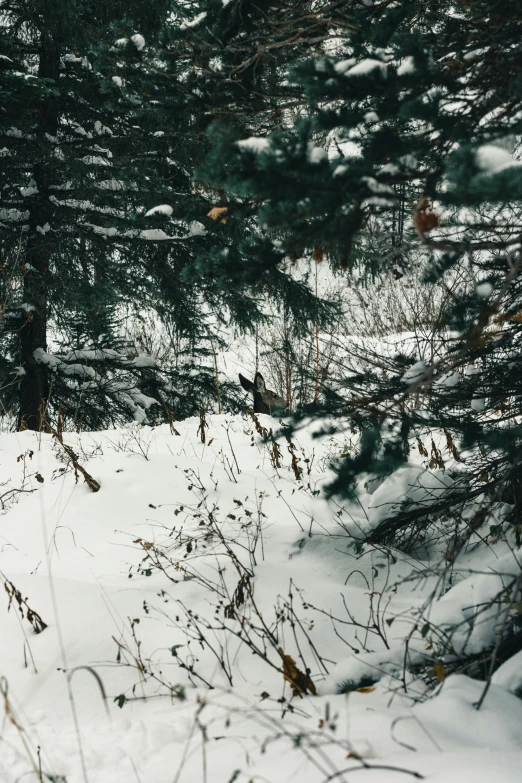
89 480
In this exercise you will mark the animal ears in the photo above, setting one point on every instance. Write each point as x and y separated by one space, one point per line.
246 384
258 385
259 382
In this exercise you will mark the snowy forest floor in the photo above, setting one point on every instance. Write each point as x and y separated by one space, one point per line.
210 564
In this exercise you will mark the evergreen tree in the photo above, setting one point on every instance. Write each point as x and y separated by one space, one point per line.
238 78
411 101
237 259
100 219
422 107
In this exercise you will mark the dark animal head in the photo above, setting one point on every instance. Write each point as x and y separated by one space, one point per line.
265 401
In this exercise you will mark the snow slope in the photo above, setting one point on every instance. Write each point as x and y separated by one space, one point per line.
135 678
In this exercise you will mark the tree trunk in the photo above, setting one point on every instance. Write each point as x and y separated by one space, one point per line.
34 386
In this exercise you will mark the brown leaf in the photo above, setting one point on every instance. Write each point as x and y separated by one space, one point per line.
422 448
502 317
216 213
424 218
439 670
299 682
426 221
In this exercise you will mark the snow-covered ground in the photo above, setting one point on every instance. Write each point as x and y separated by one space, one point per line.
156 590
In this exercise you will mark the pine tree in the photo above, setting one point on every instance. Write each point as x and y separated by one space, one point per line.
412 106
420 109
240 54
236 258
100 219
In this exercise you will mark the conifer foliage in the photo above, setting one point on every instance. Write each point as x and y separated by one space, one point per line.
424 101
101 219
410 109
98 220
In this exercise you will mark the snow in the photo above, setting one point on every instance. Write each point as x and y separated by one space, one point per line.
411 487
81 370
102 130
377 187
409 162
111 184
196 229
85 205
70 365
414 372
484 290
42 357
448 379
509 675
161 209
68 185
137 402
118 81
406 66
156 234
366 67
254 144
107 231
80 130
97 160
193 22
138 41
144 361
478 404
13 215
389 168
43 229
344 65
78 559
476 53
379 201
492 159
317 154
92 354
31 190
339 170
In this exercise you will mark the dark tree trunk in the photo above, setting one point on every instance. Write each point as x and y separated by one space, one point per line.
34 387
